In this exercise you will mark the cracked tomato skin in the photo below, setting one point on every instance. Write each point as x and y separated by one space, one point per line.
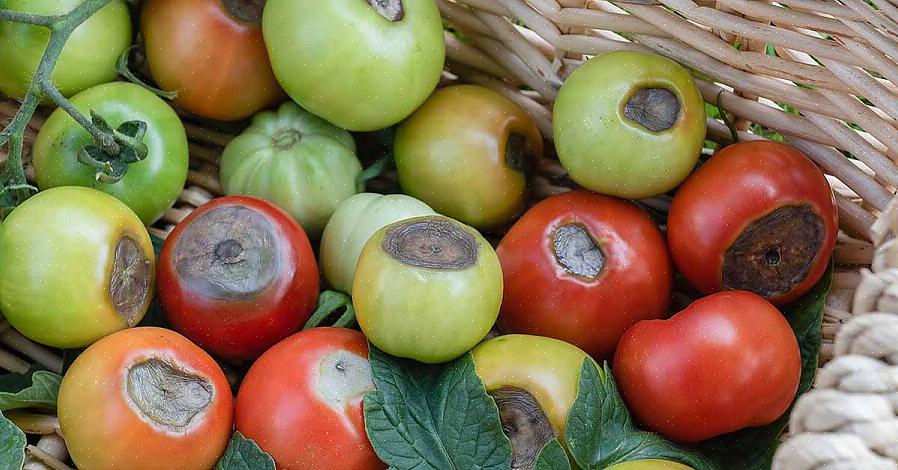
543 298
727 362
283 406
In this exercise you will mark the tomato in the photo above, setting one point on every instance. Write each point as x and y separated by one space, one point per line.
362 65
145 398
237 276
427 288
726 362
758 216
212 53
650 464
583 268
466 152
296 160
629 124
534 381
87 59
77 266
301 401
151 186
353 223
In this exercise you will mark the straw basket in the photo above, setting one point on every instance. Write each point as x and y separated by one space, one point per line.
820 74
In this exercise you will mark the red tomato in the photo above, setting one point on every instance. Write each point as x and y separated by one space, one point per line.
236 276
583 268
211 52
758 216
145 398
302 401
726 362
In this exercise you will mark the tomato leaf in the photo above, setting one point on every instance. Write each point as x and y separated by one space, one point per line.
753 448
433 417
552 457
40 391
244 454
600 432
12 445
329 302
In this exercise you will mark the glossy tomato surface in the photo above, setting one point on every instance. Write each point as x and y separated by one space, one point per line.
212 53
583 267
237 275
726 362
301 401
765 207
145 398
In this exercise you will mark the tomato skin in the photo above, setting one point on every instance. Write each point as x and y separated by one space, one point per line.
230 79
740 184
542 298
726 362
243 327
103 428
279 405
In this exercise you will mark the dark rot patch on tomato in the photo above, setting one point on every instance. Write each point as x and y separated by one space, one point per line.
166 395
431 242
129 282
392 10
577 252
228 252
655 109
525 424
248 11
517 153
286 138
776 252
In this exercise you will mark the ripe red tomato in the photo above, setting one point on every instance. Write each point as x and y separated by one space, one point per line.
726 362
583 268
212 53
758 216
236 276
301 401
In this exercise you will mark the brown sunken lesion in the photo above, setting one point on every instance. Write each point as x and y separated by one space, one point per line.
431 242
129 283
524 423
392 10
167 395
577 252
655 109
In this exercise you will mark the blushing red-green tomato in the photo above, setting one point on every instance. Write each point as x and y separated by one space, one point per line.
87 59
534 381
629 124
651 464
301 401
363 65
77 265
427 288
353 223
212 53
300 162
145 398
151 186
466 152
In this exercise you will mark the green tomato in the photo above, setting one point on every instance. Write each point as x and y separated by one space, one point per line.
87 59
300 162
651 464
363 65
427 288
150 186
77 265
353 223
629 124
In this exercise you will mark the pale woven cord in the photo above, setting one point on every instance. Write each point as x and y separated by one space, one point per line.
850 419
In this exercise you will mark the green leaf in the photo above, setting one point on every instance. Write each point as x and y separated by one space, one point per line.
41 392
12 445
753 448
433 417
379 167
244 454
600 432
552 457
329 302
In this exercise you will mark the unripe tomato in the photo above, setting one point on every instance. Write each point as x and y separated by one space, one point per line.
583 268
726 362
758 216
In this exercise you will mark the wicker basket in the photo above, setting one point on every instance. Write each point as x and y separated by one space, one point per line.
821 74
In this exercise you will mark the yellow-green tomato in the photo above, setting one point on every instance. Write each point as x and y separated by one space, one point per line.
353 223
466 152
77 265
427 288
651 464
629 124
534 381
300 162
87 59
